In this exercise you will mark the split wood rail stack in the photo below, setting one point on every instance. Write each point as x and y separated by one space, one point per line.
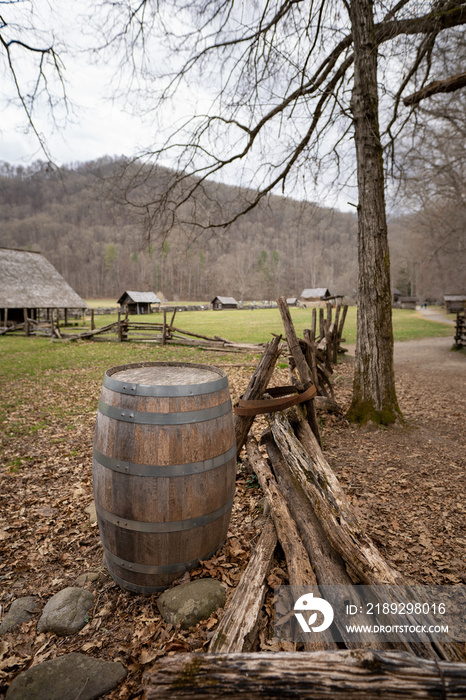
460 330
324 543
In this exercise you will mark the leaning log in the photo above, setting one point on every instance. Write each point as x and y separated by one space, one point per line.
329 502
327 564
299 360
238 626
329 567
300 572
256 387
332 675
346 521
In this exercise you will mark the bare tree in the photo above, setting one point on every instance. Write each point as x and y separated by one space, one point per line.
33 71
433 187
282 87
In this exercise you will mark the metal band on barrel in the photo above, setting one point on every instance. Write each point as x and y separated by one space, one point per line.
144 418
161 569
176 390
159 470
169 526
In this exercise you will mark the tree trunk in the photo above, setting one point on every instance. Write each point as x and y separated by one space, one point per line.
374 396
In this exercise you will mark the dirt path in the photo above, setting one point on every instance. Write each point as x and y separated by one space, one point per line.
408 482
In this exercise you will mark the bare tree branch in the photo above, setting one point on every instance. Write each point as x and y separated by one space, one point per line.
452 84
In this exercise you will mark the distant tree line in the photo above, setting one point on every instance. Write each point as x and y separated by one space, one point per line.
282 247
99 246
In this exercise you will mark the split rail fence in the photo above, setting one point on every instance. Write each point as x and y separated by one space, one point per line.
324 543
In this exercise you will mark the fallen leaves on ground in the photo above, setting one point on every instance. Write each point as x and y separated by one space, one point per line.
407 484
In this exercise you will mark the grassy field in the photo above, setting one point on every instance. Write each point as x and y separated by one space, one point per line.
256 326
23 356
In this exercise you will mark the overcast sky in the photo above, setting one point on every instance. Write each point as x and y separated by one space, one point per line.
96 126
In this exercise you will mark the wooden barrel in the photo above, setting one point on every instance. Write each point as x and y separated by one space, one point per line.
164 468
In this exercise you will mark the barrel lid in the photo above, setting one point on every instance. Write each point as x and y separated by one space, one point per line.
165 379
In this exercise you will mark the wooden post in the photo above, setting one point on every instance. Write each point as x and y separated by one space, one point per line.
92 320
300 361
256 387
342 323
66 316
335 339
321 324
311 355
328 339
173 319
26 322
119 328
314 324
164 328
50 315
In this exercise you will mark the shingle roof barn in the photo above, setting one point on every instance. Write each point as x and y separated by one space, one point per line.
224 303
139 298
28 280
317 293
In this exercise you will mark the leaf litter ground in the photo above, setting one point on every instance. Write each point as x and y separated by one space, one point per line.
407 484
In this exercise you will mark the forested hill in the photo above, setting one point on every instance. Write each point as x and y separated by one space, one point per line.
98 246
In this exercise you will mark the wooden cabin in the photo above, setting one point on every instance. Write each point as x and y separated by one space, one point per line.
30 287
224 303
317 294
454 303
138 302
406 302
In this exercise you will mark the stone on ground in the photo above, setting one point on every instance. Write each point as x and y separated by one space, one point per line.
21 610
67 678
189 603
66 612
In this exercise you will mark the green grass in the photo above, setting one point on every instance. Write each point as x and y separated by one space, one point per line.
22 357
42 358
257 326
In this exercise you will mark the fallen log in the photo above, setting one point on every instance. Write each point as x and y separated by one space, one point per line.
256 387
238 626
331 675
300 572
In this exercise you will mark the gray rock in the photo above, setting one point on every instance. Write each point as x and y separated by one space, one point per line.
21 610
67 678
66 612
189 603
91 511
88 577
